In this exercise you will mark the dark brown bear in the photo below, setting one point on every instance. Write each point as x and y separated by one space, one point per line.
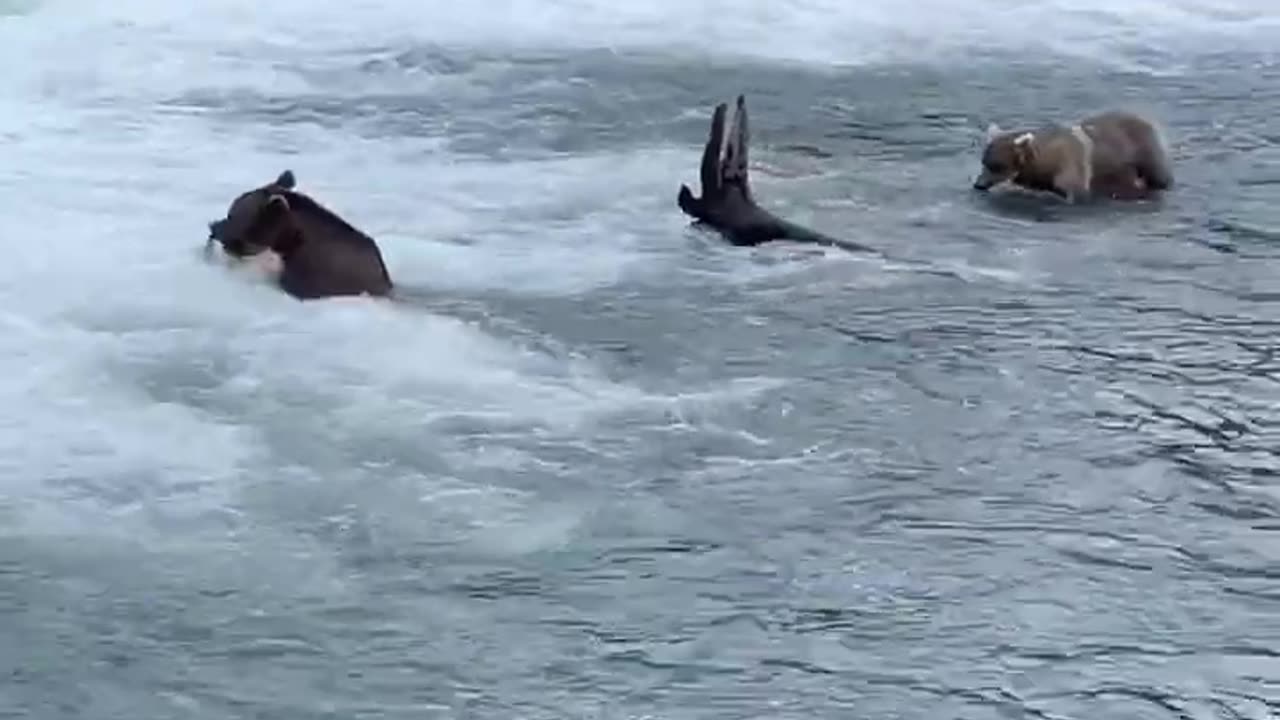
320 254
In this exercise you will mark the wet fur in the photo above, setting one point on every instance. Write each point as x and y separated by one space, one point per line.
1113 154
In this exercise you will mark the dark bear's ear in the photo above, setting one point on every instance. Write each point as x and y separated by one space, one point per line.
278 227
276 204
286 180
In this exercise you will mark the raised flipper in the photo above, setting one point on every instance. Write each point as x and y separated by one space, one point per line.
724 158
727 203
710 172
734 169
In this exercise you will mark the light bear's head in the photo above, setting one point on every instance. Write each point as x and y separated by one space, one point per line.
1007 153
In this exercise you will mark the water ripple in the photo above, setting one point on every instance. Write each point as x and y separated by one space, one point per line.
598 464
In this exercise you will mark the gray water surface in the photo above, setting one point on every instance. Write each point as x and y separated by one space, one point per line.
600 464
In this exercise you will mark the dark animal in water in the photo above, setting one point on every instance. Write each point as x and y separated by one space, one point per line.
727 204
321 255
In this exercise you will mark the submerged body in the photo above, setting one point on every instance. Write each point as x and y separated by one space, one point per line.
315 253
1115 154
727 204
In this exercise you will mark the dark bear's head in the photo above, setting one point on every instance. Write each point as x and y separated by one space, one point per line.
1006 155
258 220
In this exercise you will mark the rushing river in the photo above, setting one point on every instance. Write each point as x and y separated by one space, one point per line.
604 465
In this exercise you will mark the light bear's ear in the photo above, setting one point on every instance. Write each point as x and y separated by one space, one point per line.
1025 148
993 130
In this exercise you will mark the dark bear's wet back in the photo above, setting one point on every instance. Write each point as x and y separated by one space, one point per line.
329 257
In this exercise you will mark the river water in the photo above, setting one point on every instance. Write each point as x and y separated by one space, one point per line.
600 464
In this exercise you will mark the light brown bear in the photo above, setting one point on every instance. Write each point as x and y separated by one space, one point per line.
1114 154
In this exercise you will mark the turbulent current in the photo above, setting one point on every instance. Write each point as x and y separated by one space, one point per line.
597 463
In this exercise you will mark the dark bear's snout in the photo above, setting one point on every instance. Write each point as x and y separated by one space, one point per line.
252 224
220 233
235 246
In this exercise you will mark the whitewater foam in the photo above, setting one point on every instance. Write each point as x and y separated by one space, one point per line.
127 360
